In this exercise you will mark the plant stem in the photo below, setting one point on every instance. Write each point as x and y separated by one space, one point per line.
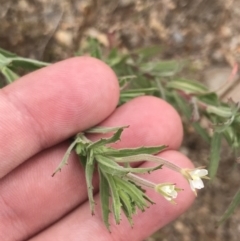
136 179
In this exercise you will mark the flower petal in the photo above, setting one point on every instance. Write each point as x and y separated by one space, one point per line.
197 183
174 194
202 172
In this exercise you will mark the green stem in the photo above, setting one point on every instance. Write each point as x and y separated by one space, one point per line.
136 179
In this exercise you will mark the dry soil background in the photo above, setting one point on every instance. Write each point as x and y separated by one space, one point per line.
207 32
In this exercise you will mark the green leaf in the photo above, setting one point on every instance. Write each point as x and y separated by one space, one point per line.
20 62
185 108
65 157
231 208
125 97
105 141
148 52
113 168
187 86
94 48
25 63
9 75
110 166
82 143
221 111
221 127
143 90
182 105
215 154
136 194
115 58
4 61
104 195
209 98
104 130
162 68
89 169
127 205
116 203
124 81
202 132
129 94
161 89
6 53
230 135
135 151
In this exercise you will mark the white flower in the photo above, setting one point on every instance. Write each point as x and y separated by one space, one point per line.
168 190
194 177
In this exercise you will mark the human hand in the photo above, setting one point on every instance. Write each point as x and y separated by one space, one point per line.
43 109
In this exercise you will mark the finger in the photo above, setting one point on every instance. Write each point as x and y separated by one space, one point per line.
48 199
80 225
52 104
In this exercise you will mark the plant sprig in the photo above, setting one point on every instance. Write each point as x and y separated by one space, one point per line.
121 189
140 73
115 181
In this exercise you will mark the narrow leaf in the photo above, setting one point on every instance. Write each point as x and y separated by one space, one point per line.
4 61
104 130
160 68
104 195
65 157
187 86
148 52
9 75
202 132
143 90
124 81
126 205
135 151
231 208
210 98
89 169
116 204
105 141
115 169
26 63
185 108
6 53
215 154
95 48
136 194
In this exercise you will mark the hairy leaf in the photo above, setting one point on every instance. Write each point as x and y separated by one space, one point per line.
231 208
89 169
104 130
105 196
113 168
65 157
187 86
134 151
9 75
215 154
116 203
105 141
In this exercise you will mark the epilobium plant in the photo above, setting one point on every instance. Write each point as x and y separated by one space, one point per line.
121 182
140 75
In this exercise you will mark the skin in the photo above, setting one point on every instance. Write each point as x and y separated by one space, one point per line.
38 113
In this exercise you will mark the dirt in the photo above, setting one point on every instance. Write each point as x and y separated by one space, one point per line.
206 32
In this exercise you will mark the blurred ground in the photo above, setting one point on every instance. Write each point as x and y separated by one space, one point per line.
206 32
